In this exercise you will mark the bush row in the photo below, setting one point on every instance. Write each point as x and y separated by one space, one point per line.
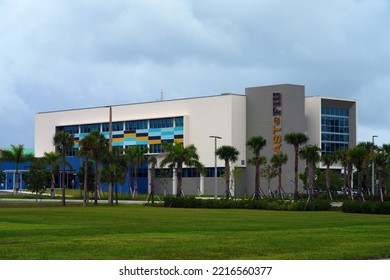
263 204
368 207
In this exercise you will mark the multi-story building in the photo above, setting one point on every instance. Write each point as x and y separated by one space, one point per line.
269 111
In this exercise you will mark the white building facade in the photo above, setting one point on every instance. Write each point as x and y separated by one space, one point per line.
269 111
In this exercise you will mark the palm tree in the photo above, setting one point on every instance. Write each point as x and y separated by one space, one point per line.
52 159
114 170
382 161
228 154
99 149
256 144
296 139
328 160
63 141
360 156
152 160
342 156
277 161
176 156
17 155
135 155
312 156
87 146
386 150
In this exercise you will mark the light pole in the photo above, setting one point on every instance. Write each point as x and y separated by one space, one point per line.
373 168
215 163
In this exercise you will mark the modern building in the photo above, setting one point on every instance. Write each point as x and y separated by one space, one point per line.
269 111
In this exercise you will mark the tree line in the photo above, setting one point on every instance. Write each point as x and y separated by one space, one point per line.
111 165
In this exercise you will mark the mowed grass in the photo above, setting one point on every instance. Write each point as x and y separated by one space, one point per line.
139 232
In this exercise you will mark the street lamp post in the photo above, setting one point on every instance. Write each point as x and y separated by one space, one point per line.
215 163
373 169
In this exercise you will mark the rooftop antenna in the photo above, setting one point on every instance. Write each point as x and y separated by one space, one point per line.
162 95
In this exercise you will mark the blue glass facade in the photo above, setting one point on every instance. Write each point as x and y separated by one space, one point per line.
334 129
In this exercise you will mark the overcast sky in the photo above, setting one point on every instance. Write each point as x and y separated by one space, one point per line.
68 54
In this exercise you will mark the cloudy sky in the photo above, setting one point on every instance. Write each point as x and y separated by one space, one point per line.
68 54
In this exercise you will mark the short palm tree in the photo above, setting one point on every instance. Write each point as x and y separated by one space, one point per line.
63 141
17 155
256 144
359 157
99 150
312 156
296 139
228 154
87 146
135 156
114 170
52 159
382 161
277 161
328 160
176 156
152 160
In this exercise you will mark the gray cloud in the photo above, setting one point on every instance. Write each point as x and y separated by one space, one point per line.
68 54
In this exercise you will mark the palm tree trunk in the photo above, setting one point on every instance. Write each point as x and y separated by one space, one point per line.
63 179
96 181
135 191
52 186
280 183
85 182
179 179
350 181
328 182
257 179
296 194
227 179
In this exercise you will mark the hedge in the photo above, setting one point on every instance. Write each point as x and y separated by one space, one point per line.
262 204
368 207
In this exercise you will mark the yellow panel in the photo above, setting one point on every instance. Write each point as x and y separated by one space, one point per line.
158 141
140 138
180 140
117 140
130 135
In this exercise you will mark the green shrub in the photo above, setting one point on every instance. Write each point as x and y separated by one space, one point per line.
368 207
261 204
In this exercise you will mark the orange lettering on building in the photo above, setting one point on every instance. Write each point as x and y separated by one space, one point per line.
277 123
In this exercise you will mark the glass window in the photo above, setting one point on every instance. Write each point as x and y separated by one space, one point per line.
155 148
72 129
134 125
87 128
161 123
179 121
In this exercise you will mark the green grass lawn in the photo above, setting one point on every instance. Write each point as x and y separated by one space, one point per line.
139 232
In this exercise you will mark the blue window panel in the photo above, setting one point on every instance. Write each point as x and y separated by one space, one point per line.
115 133
130 142
154 130
154 134
167 133
142 142
117 144
167 137
178 129
142 131
167 130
